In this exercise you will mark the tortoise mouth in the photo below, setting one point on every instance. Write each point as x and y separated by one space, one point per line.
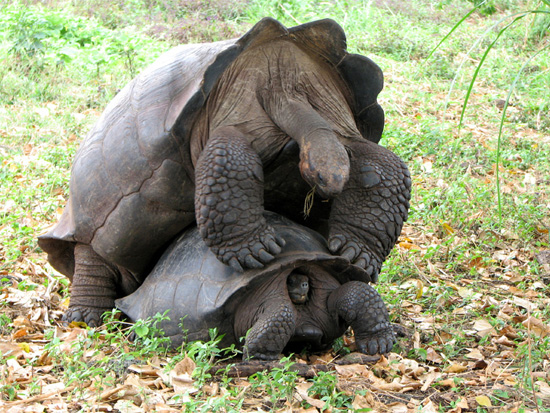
298 298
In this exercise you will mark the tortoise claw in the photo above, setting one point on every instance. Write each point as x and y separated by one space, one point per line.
253 250
265 256
251 262
234 263
350 252
380 343
357 252
89 315
336 243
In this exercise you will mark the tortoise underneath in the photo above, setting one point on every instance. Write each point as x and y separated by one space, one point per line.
306 297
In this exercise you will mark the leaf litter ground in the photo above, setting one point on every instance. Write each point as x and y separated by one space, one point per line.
472 296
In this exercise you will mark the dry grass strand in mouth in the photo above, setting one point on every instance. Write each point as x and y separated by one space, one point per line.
308 202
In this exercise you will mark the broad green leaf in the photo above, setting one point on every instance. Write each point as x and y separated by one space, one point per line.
141 330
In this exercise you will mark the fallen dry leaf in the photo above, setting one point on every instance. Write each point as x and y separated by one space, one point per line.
366 401
537 326
483 401
433 356
302 390
397 407
11 350
429 407
181 376
543 390
484 328
456 368
462 403
474 354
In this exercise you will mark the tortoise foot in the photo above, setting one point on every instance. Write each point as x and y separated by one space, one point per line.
93 287
89 315
343 243
229 203
361 307
272 331
380 342
251 250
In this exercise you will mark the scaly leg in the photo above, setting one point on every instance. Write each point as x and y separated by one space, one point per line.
361 307
229 203
93 289
366 219
271 332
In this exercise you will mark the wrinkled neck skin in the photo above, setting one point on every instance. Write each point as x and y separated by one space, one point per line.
307 99
279 91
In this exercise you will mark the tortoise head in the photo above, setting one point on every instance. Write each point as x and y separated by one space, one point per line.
325 166
298 287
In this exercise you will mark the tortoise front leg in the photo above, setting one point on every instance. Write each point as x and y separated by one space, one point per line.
229 203
271 331
366 219
362 308
93 289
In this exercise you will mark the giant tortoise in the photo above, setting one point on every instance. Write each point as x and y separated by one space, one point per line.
305 297
213 134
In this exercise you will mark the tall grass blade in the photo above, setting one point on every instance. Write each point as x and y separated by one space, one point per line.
501 127
478 68
476 43
516 17
453 29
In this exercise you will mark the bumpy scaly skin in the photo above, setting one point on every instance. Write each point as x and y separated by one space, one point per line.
93 289
366 219
271 331
324 316
229 204
361 307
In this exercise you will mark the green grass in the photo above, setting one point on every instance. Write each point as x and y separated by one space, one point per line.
457 263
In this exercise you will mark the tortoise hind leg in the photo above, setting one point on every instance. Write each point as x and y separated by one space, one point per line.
229 202
93 289
361 307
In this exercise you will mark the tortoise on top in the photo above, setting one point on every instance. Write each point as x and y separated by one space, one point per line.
215 132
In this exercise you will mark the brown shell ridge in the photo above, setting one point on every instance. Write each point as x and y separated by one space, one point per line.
181 130
324 37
